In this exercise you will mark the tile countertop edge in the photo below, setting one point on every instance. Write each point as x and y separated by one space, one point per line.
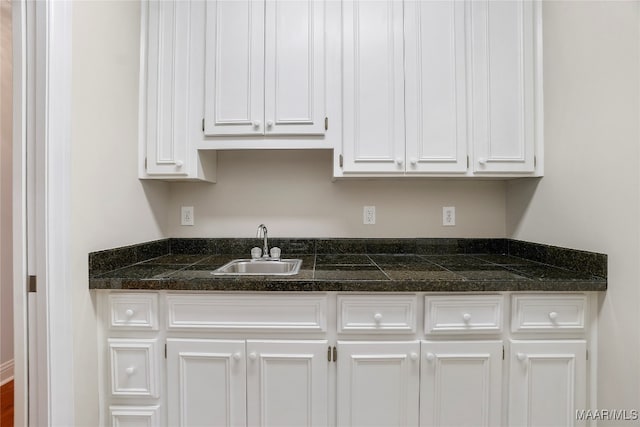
581 270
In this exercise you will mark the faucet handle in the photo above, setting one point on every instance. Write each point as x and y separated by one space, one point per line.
275 252
256 253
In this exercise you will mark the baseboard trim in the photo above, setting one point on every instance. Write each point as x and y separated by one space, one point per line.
6 372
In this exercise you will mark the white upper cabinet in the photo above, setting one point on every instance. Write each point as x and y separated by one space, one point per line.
503 82
373 85
435 95
264 67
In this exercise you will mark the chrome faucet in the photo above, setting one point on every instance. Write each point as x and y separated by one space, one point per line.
265 247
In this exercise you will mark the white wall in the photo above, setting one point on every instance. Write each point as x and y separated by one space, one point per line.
110 207
589 197
6 171
293 194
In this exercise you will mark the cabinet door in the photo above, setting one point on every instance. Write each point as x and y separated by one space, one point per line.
164 97
287 383
547 382
294 67
461 383
206 382
373 85
436 126
378 383
234 67
502 61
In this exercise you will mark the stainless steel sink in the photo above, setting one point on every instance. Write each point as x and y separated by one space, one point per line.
260 267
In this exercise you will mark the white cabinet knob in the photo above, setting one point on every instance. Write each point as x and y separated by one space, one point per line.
466 317
377 317
413 356
130 371
482 161
269 123
521 357
256 123
253 355
179 163
237 356
129 313
430 357
399 161
414 161
553 316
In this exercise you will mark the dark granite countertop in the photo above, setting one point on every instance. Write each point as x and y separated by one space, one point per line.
354 265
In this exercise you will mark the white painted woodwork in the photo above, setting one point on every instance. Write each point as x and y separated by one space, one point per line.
373 86
450 314
502 85
137 311
247 312
234 67
547 382
287 383
435 92
206 382
461 383
378 383
365 313
169 49
294 81
134 416
548 313
134 367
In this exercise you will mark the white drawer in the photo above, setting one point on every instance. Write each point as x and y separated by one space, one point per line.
134 367
382 313
246 312
133 311
463 314
545 313
134 416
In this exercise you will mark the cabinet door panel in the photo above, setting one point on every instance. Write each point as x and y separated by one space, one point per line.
287 383
378 383
502 53
294 67
167 86
547 382
234 67
435 86
206 382
461 383
373 85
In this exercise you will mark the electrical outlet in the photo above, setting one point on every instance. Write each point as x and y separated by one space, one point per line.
369 215
186 217
449 215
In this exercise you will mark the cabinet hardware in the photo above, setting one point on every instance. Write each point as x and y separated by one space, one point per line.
203 125
341 160
329 354
145 163
165 350
326 123
335 354
467 162
535 161
502 352
31 283
587 354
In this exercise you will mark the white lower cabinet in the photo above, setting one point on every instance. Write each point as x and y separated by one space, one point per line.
254 382
378 383
547 382
346 359
461 383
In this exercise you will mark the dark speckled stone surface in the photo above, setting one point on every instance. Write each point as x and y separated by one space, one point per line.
354 265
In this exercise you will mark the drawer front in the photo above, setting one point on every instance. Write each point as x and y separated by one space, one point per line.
133 311
239 312
387 313
463 314
134 367
545 313
134 416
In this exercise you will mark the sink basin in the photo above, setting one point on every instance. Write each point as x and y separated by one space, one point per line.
260 267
